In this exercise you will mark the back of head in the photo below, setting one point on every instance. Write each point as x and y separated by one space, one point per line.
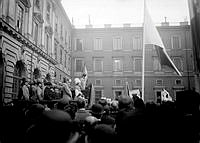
102 134
54 126
80 103
97 110
125 102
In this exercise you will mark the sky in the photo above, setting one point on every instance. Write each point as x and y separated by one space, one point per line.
124 11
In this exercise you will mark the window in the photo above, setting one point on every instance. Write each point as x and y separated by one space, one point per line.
159 82
178 81
117 43
97 82
79 65
79 44
37 3
138 82
61 33
98 44
176 42
98 95
137 43
98 65
118 82
66 37
48 12
55 51
178 63
47 43
156 64
65 64
61 55
56 27
117 94
158 96
19 18
117 65
35 32
138 65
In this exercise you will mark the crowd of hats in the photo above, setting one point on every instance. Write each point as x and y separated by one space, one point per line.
124 120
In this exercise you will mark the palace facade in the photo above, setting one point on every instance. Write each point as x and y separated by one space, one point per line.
33 34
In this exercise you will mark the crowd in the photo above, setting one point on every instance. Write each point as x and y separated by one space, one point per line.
71 120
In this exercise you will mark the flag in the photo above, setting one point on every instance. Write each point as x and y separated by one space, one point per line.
127 89
165 96
151 36
194 9
92 96
84 78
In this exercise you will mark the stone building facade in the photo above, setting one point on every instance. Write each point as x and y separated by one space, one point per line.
33 33
113 56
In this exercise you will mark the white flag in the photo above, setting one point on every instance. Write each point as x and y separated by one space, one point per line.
151 36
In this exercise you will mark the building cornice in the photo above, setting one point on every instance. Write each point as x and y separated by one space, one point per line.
20 38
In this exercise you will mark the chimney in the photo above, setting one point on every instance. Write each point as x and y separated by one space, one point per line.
165 23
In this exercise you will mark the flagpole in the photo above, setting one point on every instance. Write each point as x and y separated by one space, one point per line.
143 55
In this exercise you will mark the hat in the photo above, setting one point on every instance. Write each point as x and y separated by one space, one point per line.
97 109
124 101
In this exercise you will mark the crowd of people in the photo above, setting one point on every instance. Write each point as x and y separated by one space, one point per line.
71 120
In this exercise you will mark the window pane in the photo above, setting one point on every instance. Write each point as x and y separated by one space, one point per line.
117 65
79 65
178 63
98 44
98 95
137 43
79 44
117 43
138 65
98 65
175 41
156 64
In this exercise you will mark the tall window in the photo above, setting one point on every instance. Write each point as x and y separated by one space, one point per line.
176 42
98 82
79 45
61 32
137 43
65 60
56 27
98 44
137 65
138 82
48 12
55 51
159 82
117 43
19 18
156 64
178 62
66 37
35 32
98 95
98 65
61 55
118 82
117 65
47 43
79 65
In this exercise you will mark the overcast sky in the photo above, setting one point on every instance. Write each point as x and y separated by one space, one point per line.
124 11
